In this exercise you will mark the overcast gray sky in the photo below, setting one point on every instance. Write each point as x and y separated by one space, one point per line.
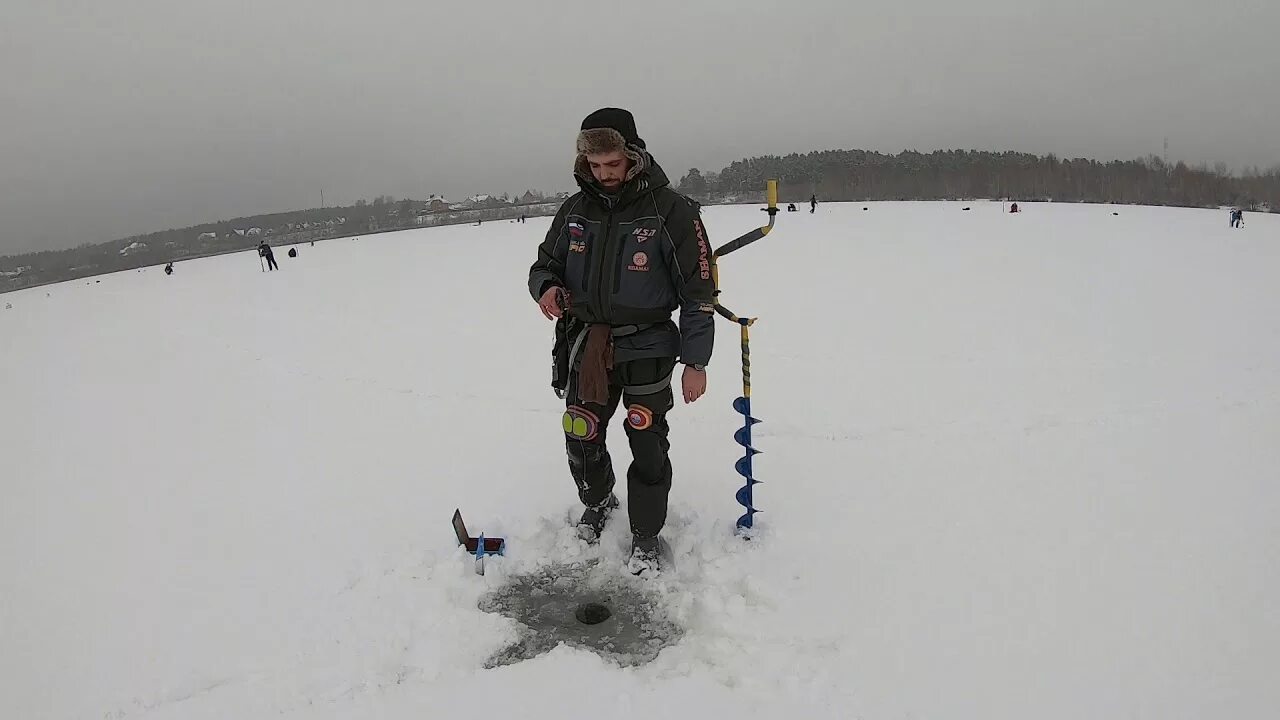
140 115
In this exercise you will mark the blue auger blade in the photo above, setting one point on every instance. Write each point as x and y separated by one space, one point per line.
742 437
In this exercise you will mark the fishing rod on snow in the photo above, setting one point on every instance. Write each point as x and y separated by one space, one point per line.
742 405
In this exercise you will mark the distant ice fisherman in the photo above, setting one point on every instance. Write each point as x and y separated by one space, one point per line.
264 251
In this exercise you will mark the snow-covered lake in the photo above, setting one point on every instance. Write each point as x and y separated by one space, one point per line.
1016 467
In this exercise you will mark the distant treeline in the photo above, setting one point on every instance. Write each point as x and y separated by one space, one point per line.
833 175
853 175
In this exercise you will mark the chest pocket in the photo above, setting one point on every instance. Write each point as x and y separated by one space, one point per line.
642 277
582 236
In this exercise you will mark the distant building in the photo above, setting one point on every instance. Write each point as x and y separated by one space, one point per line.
478 201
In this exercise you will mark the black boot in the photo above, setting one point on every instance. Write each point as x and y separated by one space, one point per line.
645 556
591 524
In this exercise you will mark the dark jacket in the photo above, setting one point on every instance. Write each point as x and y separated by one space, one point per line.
634 259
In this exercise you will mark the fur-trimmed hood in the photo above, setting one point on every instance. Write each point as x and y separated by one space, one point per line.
614 130
604 140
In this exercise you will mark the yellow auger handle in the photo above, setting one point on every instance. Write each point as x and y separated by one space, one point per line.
771 193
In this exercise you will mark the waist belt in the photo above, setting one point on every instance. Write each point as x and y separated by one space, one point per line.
620 331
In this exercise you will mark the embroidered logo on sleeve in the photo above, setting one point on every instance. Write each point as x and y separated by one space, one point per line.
704 253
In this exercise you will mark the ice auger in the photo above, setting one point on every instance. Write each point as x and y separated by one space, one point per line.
742 405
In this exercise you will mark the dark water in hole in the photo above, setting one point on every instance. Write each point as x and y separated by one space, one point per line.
547 602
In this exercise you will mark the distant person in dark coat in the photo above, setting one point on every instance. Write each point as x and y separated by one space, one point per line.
264 250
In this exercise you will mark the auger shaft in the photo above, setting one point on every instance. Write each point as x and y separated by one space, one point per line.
743 436
743 404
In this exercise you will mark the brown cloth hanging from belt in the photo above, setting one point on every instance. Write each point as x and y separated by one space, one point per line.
597 361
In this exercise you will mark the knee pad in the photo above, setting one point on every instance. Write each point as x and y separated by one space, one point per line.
639 417
580 423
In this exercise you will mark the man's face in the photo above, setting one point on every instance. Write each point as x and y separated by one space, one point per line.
610 169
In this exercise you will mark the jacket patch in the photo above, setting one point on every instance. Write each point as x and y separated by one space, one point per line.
639 263
577 237
642 234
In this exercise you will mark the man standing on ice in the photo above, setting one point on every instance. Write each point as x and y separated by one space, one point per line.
621 256
264 251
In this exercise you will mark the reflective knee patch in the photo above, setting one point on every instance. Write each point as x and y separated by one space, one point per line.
639 417
580 423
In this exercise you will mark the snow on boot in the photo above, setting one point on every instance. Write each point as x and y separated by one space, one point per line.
645 556
591 524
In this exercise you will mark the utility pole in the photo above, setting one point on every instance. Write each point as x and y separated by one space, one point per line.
322 196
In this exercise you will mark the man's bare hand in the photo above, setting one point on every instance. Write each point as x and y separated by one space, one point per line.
694 383
551 301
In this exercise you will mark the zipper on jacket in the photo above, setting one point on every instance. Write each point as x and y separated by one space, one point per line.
604 280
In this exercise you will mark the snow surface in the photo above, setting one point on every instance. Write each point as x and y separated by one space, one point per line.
1016 466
